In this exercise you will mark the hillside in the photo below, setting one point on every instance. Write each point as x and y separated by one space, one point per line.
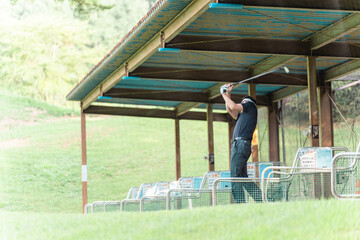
40 154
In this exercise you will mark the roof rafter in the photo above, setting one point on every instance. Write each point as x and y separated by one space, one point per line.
341 70
181 21
155 113
256 46
283 93
335 31
176 96
225 76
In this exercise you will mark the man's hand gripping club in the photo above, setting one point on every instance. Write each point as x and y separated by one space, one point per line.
227 88
231 107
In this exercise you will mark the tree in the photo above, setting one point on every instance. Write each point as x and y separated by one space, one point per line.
82 8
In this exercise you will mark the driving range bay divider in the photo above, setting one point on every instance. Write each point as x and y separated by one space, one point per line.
316 173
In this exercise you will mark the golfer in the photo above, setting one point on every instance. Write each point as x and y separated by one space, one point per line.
245 114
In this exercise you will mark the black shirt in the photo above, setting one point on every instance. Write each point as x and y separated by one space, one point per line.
246 121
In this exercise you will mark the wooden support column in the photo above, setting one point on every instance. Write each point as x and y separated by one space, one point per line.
314 119
177 149
210 120
326 119
83 159
231 126
327 130
313 101
254 145
273 114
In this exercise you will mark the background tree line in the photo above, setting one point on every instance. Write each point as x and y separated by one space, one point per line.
47 46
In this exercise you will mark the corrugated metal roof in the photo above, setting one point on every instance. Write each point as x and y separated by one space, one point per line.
237 22
161 14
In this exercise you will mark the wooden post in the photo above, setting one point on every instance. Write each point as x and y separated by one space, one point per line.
326 119
83 159
210 120
231 126
313 101
282 131
327 131
273 114
314 116
254 145
177 148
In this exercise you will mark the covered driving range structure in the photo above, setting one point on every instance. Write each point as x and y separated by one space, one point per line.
173 62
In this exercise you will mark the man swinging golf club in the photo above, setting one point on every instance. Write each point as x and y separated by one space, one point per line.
245 114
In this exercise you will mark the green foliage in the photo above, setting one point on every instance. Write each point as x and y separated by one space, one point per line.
110 26
45 50
44 55
82 9
348 101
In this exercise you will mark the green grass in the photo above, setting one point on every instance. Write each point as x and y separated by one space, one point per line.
294 220
40 181
42 160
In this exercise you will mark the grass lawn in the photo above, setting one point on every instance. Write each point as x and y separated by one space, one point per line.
330 219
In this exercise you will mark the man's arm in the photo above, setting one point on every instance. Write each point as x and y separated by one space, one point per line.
234 114
232 108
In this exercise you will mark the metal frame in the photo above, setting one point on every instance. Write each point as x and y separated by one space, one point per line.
190 193
88 205
111 203
354 156
138 197
290 176
97 203
215 189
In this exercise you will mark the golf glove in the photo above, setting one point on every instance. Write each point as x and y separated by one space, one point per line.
223 89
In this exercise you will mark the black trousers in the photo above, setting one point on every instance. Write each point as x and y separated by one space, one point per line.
240 153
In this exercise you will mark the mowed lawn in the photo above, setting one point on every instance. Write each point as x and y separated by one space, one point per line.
326 220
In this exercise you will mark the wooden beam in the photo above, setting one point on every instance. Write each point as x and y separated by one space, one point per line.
160 95
155 113
218 117
177 96
246 46
341 70
338 50
326 118
285 92
273 115
318 45
210 127
261 100
180 22
177 149
270 63
335 31
200 75
218 76
185 107
83 160
313 101
252 90
336 5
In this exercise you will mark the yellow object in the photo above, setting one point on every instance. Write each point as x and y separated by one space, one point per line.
255 138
